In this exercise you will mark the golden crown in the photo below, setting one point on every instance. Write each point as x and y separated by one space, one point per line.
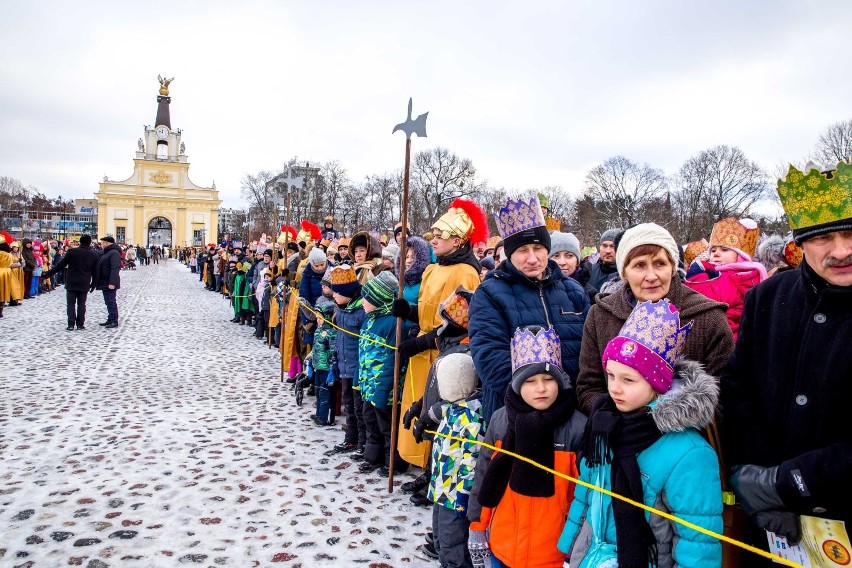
344 274
733 234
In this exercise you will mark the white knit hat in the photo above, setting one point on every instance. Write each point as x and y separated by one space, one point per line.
645 234
456 376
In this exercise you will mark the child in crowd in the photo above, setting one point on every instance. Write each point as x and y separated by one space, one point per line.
376 358
643 442
263 295
454 312
458 414
349 315
523 507
325 338
243 306
729 272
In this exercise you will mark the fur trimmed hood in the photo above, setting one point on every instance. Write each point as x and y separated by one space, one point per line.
691 402
422 259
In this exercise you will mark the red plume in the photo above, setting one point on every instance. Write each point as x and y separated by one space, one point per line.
313 229
289 229
9 238
477 217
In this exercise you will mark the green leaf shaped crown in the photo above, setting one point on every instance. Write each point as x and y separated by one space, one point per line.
814 198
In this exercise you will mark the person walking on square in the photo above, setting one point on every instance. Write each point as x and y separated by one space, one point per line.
81 263
107 279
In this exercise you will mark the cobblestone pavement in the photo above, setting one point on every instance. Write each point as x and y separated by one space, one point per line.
171 441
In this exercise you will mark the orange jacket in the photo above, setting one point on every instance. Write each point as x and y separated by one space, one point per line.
524 530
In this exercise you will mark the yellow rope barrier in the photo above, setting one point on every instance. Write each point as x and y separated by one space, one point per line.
652 510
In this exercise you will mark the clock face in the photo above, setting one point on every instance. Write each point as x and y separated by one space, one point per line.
162 132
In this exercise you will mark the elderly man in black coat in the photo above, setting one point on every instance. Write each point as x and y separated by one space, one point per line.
787 390
80 263
108 279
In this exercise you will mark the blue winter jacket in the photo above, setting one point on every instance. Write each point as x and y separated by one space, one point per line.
376 362
349 318
680 475
310 288
507 300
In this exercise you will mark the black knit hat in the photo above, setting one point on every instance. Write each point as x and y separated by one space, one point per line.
535 235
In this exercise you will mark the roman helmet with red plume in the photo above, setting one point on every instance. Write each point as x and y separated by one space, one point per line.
310 233
287 230
464 219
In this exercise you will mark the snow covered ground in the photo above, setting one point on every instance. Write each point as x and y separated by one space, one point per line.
171 441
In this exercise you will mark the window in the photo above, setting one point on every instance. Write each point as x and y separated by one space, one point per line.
197 236
120 234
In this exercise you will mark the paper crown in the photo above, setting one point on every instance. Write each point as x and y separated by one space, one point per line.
544 201
343 274
816 199
793 254
651 341
739 234
519 215
464 219
693 249
528 348
456 307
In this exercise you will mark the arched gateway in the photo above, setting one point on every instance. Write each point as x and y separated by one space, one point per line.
160 232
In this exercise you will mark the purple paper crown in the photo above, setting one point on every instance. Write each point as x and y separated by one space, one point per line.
517 216
651 341
528 348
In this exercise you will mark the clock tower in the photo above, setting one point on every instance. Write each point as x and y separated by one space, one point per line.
158 204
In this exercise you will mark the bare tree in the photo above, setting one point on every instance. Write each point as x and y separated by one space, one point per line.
621 189
835 144
716 183
438 176
258 192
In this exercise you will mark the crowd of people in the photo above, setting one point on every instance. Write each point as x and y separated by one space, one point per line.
616 368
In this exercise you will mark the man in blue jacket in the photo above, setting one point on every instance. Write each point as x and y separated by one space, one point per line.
525 289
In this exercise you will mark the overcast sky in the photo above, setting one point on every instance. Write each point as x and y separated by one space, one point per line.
534 93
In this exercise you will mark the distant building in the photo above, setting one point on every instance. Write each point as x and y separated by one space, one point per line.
158 204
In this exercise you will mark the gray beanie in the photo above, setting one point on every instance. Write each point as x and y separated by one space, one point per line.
316 256
567 242
390 251
608 235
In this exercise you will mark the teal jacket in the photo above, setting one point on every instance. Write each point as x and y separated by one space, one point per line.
376 362
325 339
680 475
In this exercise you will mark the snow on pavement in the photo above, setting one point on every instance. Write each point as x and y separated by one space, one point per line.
170 441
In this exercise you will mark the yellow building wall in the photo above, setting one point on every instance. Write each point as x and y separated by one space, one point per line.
158 188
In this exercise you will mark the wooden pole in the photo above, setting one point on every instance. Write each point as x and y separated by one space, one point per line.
285 296
397 358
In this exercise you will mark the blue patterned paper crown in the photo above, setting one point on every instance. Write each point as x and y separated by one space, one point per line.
528 348
520 215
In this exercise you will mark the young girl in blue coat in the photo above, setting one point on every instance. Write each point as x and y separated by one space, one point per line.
644 442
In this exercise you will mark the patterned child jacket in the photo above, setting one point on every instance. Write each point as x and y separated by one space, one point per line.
376 359
454 462
325 338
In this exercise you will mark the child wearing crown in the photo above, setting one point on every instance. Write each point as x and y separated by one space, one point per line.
729 272
523 507
643 442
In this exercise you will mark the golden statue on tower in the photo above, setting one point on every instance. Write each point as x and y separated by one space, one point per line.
164 85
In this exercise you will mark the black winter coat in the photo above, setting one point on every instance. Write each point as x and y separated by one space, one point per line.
786 392
109 268
507 300
81 262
